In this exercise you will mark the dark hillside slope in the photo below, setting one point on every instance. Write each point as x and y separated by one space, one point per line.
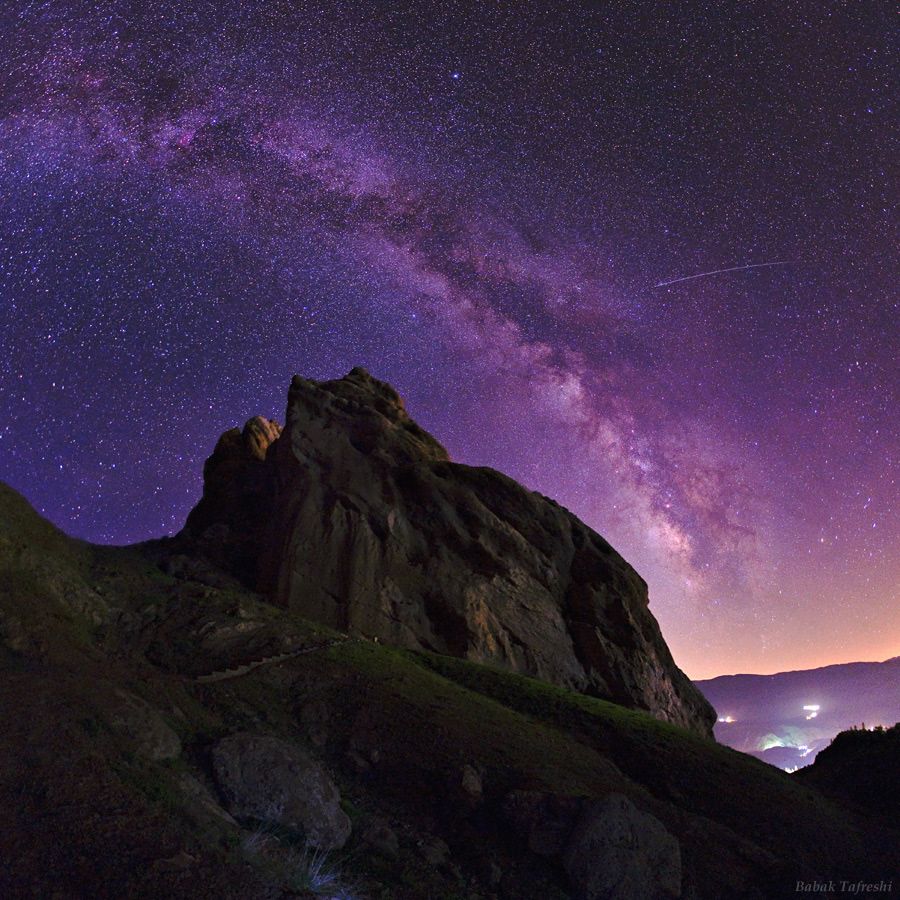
450 779
861 768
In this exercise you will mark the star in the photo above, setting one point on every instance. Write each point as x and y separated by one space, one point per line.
195 211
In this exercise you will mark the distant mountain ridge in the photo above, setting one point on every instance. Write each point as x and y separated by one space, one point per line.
788 717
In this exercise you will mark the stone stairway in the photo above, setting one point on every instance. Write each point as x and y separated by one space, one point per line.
244 668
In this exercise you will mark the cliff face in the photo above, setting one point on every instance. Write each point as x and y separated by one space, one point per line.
238 495
356 517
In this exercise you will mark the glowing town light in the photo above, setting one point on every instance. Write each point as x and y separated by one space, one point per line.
812 709
726 719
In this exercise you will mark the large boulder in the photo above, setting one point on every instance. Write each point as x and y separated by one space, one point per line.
270 780
356 517
544 820
141 725
617 852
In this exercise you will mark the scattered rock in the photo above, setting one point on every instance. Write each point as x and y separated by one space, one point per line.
200 803
177 863
265 778
360 764
13 633
189 568
143 726
314 716
544 820
471 783
617 852
434 851
382 838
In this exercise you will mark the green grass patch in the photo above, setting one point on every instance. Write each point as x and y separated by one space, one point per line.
676 765
446 724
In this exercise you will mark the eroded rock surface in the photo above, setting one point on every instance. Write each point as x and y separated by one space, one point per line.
356 516
618 852
267 779
143 726
237 496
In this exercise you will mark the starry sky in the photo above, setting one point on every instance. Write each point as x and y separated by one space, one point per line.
480 203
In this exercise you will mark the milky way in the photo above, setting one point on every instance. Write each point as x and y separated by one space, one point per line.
482 206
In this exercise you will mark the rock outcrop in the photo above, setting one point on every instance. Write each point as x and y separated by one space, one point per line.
238 495
356 517
618 851
272 781
608 847
142 726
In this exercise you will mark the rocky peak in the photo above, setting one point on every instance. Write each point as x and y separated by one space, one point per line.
369 413
226 524
356 517
258 434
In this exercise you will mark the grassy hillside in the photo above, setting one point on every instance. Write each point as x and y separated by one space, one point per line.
860 768
100 653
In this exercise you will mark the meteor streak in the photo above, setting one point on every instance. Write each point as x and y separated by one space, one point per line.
720 271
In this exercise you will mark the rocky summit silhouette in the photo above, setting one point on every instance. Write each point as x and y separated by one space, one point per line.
357 518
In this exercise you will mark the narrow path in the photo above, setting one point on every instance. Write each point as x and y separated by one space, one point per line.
243 669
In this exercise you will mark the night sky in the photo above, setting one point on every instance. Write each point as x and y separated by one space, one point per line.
477 203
